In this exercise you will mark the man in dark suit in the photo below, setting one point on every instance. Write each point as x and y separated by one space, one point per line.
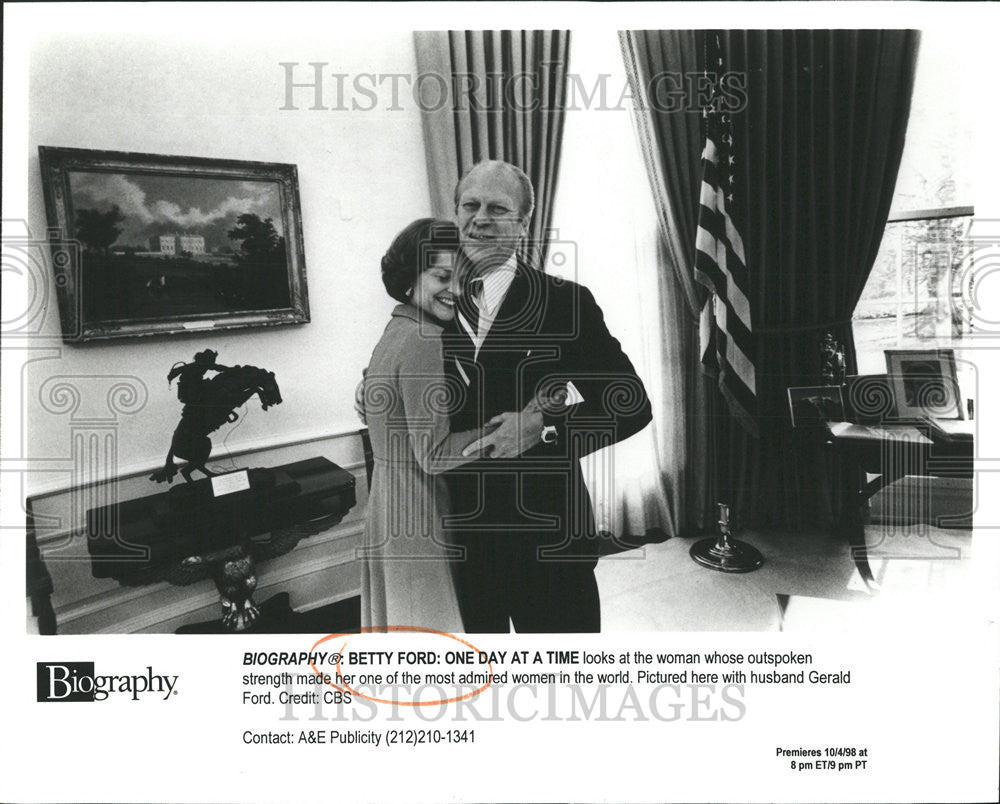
526 341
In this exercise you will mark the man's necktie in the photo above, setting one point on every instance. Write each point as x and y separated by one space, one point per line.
467 304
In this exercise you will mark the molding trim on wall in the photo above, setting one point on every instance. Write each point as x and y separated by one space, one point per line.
44 538
336 597
247 448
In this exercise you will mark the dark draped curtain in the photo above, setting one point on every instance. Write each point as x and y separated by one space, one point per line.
818 144
818 150
494 95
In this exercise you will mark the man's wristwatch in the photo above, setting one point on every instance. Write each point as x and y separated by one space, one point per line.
550 434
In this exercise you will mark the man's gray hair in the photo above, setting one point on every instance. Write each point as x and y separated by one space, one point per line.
527 191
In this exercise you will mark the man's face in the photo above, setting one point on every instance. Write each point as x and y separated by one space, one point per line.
489 217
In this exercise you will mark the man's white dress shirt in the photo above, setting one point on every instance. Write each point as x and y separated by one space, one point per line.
488 293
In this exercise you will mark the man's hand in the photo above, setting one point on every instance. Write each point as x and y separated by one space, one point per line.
513 434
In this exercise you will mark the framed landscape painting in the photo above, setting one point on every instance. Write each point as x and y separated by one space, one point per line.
144 244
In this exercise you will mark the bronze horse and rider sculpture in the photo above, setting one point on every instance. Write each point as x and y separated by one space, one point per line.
208 404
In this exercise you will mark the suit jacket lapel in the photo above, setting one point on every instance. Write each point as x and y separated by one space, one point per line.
459 352
519 311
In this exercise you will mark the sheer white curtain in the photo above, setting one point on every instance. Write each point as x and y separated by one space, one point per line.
604 215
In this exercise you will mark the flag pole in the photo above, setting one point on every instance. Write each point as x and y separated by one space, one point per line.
722 267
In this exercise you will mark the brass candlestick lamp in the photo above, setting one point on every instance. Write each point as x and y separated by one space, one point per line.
726 554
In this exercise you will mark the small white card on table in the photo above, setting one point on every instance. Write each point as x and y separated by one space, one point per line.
228 483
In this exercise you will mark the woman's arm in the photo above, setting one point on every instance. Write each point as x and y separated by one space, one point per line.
428 395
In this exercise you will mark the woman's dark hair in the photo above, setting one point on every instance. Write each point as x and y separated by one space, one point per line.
411 251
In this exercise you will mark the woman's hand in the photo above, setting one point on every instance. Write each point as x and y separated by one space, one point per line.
510 434
359 397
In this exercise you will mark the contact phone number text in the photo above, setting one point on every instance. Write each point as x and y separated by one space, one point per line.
429 736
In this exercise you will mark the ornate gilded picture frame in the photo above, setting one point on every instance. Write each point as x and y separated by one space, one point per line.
156 245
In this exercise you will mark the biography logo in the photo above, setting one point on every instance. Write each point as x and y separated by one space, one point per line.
77 681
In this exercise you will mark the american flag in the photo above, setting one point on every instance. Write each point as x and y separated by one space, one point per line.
721 266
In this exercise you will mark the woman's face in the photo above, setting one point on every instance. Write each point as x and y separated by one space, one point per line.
432 290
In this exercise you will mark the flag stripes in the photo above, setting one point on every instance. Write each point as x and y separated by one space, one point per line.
720 266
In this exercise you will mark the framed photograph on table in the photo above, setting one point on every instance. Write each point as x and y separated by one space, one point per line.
146 245
924 383
810 406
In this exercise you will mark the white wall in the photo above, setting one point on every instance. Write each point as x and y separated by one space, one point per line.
362 177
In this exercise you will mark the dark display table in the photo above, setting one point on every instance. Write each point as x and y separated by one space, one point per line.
188 533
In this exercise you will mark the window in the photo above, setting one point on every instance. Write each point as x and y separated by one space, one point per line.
914 298
606 222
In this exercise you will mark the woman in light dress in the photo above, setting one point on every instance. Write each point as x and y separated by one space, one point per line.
406 574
